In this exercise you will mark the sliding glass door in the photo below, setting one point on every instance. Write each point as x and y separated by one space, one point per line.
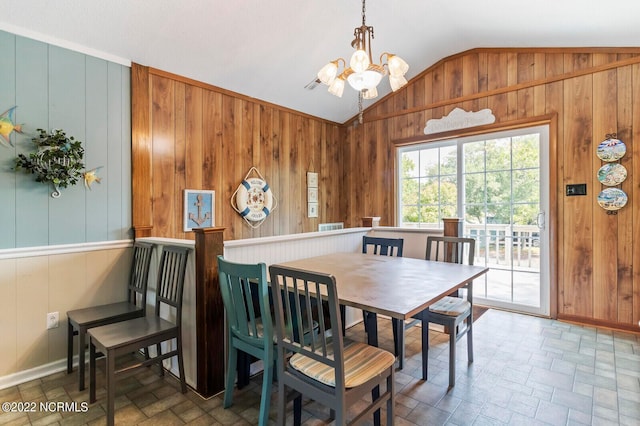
499 184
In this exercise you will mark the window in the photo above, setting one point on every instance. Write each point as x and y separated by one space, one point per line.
485 179
428 184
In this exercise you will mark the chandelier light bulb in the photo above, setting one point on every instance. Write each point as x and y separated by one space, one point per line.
359 61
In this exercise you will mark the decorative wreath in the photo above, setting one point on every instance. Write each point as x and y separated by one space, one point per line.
58 160
253 199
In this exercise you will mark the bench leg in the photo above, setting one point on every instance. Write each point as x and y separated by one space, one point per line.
69 347
111 388
82 335
92 373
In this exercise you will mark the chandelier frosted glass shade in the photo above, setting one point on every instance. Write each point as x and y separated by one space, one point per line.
359 61
337 87
371 93
397 81
397 65
367 79
328 73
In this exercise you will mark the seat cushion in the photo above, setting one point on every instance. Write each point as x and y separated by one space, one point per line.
361 363
452 306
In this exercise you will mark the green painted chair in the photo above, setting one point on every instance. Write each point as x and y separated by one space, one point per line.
250 330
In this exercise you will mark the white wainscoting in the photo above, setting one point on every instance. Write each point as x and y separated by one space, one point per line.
284 248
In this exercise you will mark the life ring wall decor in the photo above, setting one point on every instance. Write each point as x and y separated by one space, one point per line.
253 199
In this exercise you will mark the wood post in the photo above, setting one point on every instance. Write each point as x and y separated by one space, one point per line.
453 227
370 222
210 337
142 231
141 152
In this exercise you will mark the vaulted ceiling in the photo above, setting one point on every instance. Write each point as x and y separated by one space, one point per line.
271 49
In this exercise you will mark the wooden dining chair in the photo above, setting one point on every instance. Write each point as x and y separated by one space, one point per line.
454 312
382 246
81 320
386 247
325 367
137 334
250 330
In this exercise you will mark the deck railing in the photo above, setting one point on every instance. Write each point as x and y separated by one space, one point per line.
500 244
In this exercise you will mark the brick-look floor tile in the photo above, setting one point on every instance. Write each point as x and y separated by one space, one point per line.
528 371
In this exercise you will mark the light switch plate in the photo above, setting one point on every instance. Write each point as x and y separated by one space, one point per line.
576 189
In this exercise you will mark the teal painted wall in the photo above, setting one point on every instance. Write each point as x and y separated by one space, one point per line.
87 97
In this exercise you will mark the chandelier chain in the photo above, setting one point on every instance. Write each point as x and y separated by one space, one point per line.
363 13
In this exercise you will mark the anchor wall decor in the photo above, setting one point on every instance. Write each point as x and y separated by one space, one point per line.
199 209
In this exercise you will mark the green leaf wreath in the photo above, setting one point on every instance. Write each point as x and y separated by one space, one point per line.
57 161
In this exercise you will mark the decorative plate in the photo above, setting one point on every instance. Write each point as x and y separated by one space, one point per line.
612 174
612 199
611 150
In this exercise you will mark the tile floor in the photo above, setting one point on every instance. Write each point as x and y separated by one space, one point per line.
527 371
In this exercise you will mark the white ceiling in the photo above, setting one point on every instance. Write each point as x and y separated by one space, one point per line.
271 49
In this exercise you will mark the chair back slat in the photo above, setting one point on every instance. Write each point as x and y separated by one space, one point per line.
171 273
451 249
308 289
245 295
382 246
245 298
139 275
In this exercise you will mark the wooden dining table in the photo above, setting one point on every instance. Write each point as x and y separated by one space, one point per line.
398 287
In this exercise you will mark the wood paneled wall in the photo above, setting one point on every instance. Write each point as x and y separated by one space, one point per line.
586 94
189 135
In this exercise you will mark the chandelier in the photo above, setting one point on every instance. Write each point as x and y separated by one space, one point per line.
362 74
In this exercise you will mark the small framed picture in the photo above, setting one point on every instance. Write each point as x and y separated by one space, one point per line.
312 179
313 210
312 195
199 209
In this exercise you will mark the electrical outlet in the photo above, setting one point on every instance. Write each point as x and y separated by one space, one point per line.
52 320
